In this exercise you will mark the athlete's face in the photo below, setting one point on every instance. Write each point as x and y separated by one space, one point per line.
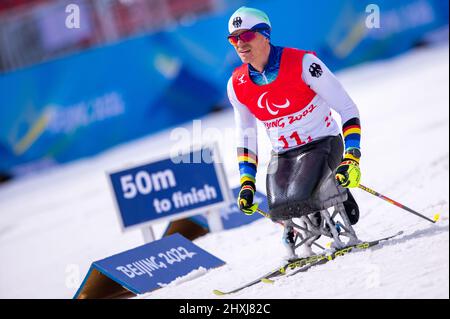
252 47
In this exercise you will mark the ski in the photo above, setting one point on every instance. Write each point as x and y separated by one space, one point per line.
321 259
304 264
279 271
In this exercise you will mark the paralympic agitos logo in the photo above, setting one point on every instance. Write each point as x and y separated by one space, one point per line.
271 106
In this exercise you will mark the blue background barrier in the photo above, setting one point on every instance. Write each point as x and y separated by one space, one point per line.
153 265
82 104
169 189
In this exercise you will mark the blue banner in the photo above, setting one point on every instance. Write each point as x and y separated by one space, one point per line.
85 103
154 265
77 106
169 189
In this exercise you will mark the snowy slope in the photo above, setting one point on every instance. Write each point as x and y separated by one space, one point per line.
54 224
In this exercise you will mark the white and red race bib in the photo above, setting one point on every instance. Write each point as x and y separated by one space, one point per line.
292 113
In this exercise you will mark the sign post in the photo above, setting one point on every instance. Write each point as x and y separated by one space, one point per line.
148 234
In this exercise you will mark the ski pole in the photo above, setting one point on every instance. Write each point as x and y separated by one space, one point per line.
278 222
371 191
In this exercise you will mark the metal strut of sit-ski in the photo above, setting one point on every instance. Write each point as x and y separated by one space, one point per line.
329 228
308 231
296 231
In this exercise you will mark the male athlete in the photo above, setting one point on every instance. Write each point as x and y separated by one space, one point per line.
291 92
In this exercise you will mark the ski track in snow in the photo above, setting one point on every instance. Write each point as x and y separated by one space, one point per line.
55 224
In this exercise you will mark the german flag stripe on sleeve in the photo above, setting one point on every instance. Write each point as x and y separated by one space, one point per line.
244 154
248 159
352 133
351 130
248 162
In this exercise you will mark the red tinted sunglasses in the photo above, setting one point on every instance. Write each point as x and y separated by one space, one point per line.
245 36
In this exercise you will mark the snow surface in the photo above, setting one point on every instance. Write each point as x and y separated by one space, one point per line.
54 224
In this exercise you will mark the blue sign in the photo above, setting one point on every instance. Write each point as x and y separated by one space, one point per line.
172 188
154 265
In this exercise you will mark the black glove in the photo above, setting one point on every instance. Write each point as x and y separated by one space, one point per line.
245 198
